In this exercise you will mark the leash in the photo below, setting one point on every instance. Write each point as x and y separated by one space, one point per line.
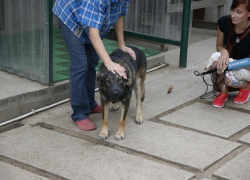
214 80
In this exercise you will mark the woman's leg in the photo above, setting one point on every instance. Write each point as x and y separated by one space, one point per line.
220 86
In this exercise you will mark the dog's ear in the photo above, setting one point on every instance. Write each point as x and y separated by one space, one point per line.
129 79
129 82
100 77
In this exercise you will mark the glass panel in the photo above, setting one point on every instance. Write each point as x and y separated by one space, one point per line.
61 61
24 38
156 17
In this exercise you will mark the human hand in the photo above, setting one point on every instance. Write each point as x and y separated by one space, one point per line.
116 68
128 50
222 61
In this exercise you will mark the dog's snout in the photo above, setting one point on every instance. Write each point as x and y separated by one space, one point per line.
115 93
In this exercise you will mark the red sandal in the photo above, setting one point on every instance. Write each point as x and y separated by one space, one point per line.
97 109
242 96
85 125
220 100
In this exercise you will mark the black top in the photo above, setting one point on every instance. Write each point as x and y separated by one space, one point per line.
242 49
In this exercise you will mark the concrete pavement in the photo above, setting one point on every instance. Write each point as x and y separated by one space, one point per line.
182 137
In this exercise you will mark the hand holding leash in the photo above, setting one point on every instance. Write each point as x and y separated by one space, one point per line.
222 61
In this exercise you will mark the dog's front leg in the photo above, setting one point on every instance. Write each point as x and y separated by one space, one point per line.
139 92
122 123
105 111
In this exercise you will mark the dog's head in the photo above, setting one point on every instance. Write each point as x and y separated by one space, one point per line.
114 86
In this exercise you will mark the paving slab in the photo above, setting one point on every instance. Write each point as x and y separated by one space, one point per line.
16 82
238 168
10 172
74 158
245 138
175 145
203 117
198 54
231 103
157 100
19 95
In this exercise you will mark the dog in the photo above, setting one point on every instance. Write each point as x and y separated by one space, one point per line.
113 88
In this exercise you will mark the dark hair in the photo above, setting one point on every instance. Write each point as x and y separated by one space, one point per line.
234 5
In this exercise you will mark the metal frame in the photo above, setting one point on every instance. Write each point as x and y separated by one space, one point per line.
50 23
151 38
184 33
2 23
183 43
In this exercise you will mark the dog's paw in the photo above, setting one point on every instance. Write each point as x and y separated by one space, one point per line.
139 120
115 107
103 135
119 136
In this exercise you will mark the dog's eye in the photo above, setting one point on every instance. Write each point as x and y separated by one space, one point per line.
107 81
119 80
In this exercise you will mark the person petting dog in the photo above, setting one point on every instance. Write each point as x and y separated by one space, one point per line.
233 41
84 23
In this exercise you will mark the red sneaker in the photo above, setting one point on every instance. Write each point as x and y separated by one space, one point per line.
220 100
85 125
97 109
242 96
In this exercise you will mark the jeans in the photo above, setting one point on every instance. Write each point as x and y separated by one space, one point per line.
83 60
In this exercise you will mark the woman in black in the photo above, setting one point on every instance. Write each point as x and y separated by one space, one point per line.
230 28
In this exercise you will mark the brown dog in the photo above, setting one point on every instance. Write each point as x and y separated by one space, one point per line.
115 89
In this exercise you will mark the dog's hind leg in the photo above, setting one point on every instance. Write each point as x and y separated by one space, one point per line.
105 111
122 123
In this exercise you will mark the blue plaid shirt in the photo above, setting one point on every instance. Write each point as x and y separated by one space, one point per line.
79 15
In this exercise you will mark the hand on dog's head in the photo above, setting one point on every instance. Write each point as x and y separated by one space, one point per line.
113 86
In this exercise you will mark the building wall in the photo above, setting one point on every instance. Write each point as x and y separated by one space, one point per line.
211 12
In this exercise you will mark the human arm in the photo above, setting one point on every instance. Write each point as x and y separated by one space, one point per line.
101 51
224 58
120 37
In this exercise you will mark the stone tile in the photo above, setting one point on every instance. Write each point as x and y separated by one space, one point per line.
74 158
172 144
245 139
157 100
241 106
221 121
237 168
10 172
13 85
205 179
